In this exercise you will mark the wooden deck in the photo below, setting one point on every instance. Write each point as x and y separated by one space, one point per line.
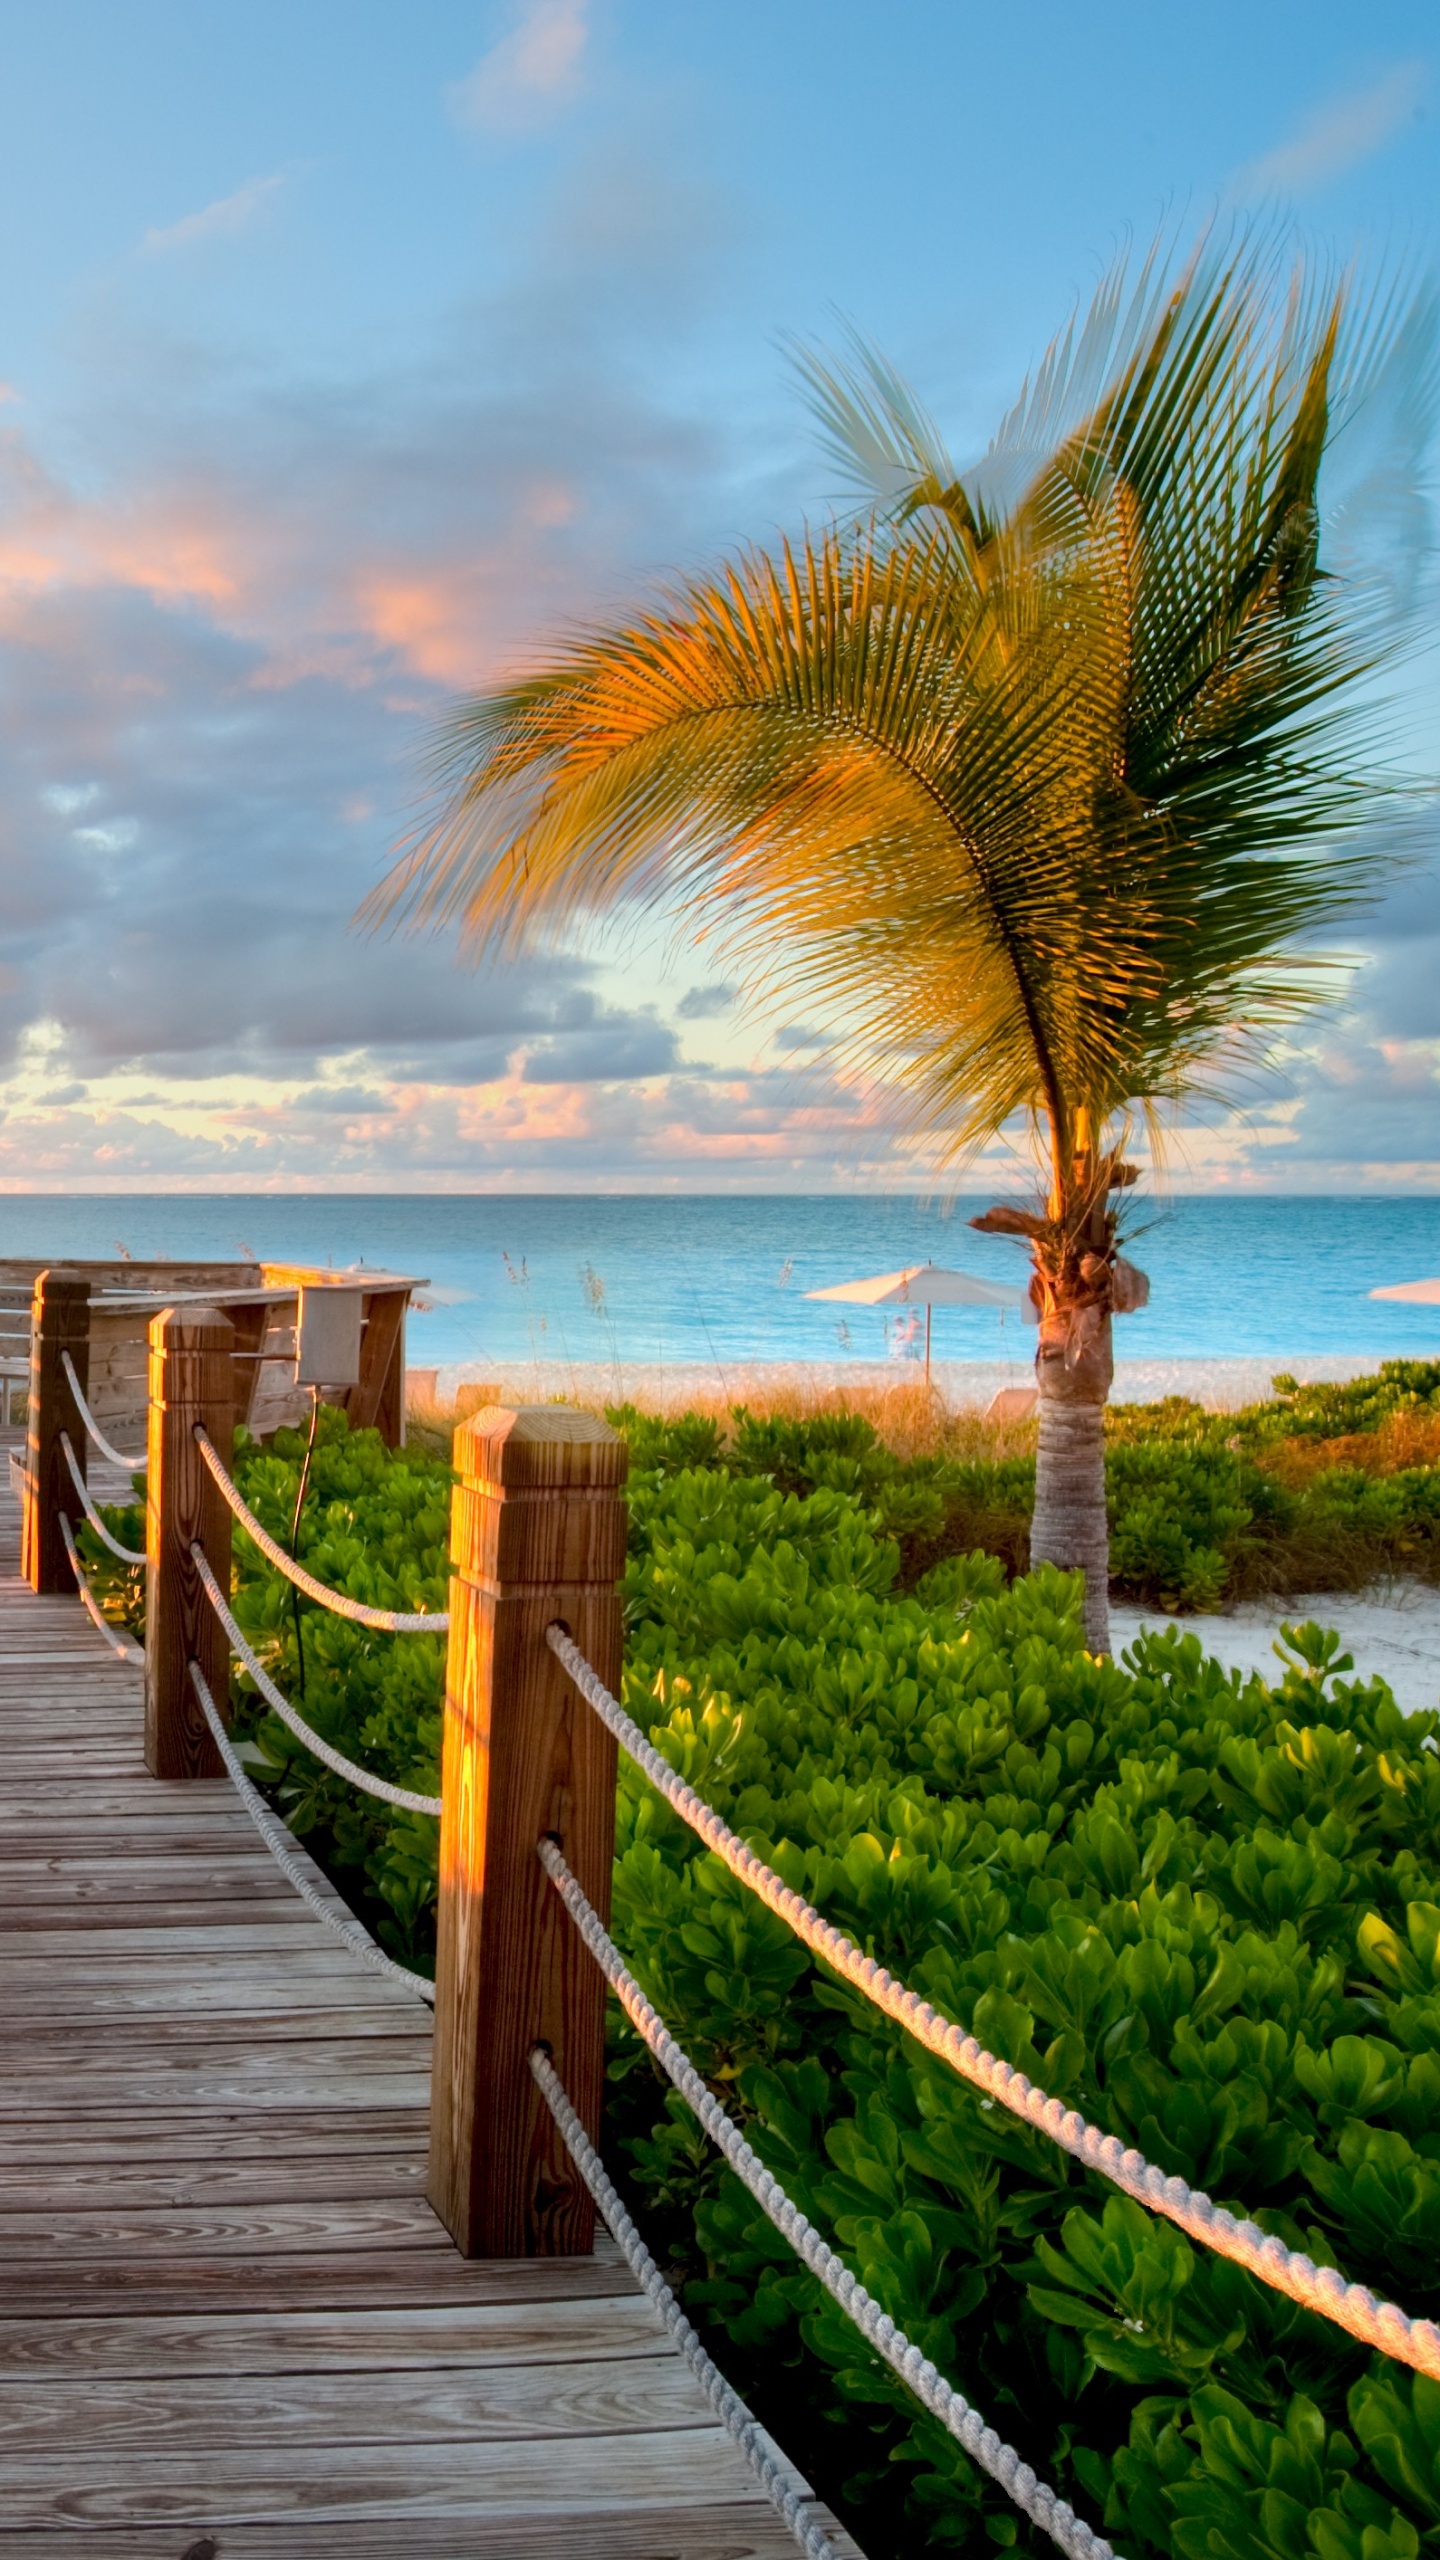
230 2326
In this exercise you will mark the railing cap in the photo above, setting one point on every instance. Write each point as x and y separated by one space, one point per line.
188 1328
539 1444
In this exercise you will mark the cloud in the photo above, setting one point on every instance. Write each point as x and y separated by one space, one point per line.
701 1004
614 1046
223 220
1337 137
529 74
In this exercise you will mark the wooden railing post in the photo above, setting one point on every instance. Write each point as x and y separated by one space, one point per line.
538 1533
59 1322
192 1379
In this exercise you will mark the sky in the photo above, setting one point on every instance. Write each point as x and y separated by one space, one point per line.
347 351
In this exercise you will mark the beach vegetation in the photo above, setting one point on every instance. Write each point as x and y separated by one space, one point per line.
1203 1909
1031 782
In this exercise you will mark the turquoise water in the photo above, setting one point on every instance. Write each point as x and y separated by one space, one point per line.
703 1278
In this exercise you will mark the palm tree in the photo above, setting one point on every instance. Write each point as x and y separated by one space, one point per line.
1031 776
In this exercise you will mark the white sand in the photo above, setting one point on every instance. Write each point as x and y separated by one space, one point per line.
1393 1632
1221 1384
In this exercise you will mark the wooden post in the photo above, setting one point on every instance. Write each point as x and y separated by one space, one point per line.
59 1322
537 1533
192 1379
378 1401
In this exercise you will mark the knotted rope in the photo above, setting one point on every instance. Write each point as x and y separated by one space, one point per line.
393 1622
404 1797
277 1840
127 1555
107 1448
729 2407
122 1645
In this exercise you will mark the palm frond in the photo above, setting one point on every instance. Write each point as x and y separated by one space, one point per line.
1035 785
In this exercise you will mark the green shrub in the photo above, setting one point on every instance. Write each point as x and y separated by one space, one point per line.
1204 1911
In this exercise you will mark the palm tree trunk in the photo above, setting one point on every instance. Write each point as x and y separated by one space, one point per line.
1069 1525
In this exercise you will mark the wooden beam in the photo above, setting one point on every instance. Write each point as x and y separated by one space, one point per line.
378 1402
59 1322
192 1380
537 1534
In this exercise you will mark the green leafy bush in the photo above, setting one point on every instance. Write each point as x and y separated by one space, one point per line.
1203 1910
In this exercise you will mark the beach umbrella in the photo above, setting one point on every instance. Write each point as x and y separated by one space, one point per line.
924 1284
1415 1293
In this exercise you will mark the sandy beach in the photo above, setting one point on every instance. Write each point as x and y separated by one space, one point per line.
1218 1384
1393 1633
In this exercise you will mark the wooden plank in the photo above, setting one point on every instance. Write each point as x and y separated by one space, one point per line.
38 2288
262 2228
55 2033
678 2531
235 2134
151 2084
574 2476
129 1986
417 2340
175 2416
48 2188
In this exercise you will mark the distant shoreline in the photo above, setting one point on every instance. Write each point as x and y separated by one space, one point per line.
1219 1384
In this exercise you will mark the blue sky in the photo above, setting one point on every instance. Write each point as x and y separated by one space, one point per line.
346 350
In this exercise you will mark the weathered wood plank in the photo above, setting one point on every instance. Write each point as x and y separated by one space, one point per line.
678 2531
37 2288
260 2227
369 2341
557 2475
495 2404
242 2134
73 2188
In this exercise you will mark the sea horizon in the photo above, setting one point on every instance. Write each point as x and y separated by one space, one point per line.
619 1280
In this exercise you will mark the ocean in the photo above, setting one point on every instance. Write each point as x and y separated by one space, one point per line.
720 1282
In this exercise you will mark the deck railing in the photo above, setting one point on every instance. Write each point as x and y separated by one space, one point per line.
532 1727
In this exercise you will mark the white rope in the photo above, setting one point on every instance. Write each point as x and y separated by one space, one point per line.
1033 2495
1375 2322
394 1622
107 1449
127 1555
727 2403
277 1840
122 1645
365 1779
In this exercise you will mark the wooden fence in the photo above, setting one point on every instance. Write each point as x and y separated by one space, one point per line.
538 1527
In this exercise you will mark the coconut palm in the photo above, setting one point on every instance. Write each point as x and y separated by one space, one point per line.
1029 779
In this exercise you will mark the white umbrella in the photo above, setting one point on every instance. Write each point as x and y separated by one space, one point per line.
1416 1293
924 1284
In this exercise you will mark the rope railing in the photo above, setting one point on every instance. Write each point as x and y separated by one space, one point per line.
405 1797
121 1645
127 1555
726 2402
1015 2476
395 1622
107 1448
1353 2307
342 1924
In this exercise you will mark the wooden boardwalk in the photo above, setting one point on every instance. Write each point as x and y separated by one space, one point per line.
230 2325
